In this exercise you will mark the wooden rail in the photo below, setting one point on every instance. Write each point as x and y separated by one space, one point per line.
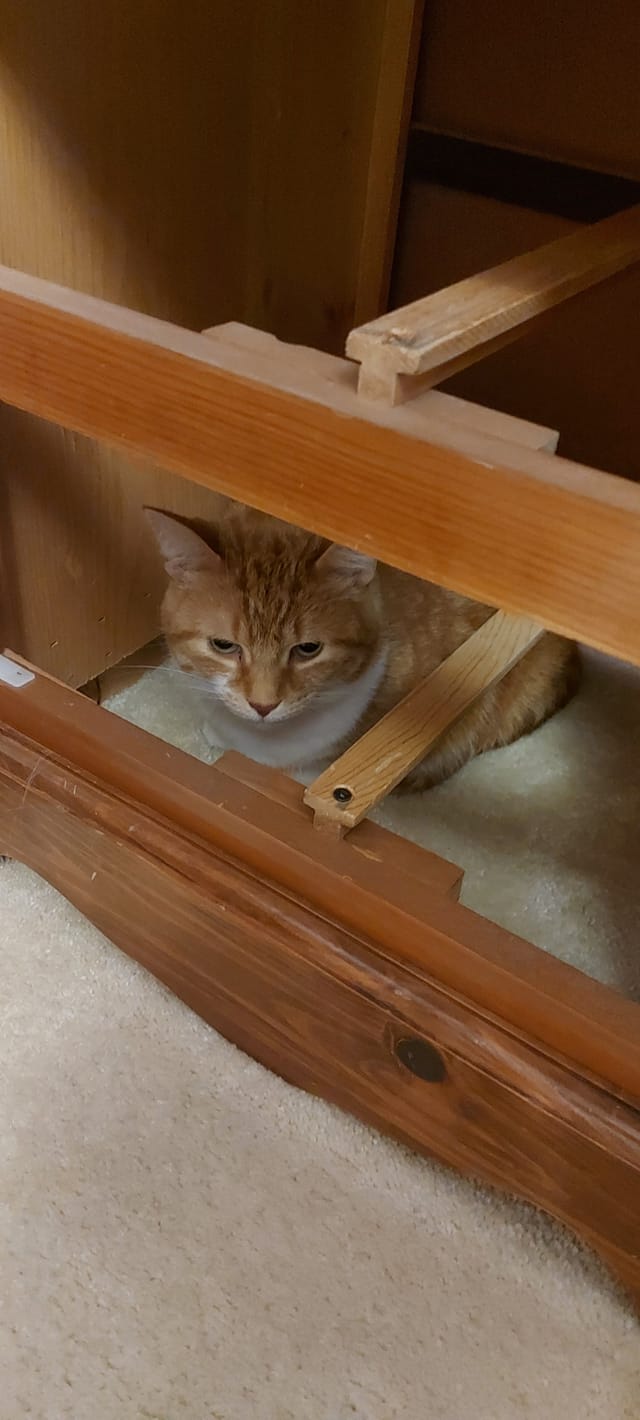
244 812
421 344
510 526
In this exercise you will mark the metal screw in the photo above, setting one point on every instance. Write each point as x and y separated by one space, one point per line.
342 795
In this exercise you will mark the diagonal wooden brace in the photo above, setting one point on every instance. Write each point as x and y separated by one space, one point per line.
352 786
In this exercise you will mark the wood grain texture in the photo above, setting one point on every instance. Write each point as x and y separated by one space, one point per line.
120 127
326 1007
330 86
437 335
378 761
271 832
398 49
509 526
201 163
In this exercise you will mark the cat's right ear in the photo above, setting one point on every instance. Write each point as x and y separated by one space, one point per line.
185 553
347 570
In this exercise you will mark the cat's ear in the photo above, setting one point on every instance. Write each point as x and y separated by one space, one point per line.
184 552
347 569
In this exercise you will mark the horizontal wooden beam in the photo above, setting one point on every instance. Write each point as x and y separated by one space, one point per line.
509 526
440 334
400 897
332 379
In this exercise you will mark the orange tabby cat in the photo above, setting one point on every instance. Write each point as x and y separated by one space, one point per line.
301 645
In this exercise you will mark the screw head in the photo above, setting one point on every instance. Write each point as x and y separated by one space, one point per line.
342 795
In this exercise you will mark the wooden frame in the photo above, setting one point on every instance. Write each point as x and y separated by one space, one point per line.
437 337
443 501
348 966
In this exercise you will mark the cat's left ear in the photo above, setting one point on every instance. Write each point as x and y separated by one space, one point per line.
346 568
185 553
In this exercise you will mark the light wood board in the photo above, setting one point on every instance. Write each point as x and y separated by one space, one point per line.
383 757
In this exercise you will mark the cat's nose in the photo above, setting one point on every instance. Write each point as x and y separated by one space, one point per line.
264 710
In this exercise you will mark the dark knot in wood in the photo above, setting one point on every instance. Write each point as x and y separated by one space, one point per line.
421 1058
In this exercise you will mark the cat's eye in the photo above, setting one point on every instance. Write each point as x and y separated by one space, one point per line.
306 650
225 648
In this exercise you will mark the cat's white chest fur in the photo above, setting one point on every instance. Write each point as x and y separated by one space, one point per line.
306 740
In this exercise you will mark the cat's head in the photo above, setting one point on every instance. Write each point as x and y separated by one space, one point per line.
271 618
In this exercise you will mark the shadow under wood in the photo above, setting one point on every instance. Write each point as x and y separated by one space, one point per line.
11 619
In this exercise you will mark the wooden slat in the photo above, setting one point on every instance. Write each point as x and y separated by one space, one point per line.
512 527
583 399
435 337
199 800
383 757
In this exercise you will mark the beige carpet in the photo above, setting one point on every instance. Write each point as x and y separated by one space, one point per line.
184 1237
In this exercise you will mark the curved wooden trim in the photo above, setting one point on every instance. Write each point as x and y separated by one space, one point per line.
322 1005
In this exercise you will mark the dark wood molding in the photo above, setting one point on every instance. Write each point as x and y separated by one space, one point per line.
336 988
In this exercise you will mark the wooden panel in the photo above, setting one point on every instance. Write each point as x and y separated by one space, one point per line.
553 78
120 128
74 511
206 161
329 104
339 1012
485 517
352 786
438 334
579 373
411 915
397 60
